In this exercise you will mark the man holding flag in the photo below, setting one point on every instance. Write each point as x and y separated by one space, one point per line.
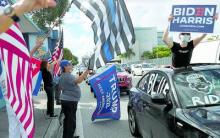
113 35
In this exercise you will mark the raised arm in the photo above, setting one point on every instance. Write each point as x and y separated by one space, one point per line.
82 77
20 8
166 38
197 40
39 43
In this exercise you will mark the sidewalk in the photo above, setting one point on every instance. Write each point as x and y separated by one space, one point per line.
45 127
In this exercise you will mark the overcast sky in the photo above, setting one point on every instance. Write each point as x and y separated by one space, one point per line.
78 35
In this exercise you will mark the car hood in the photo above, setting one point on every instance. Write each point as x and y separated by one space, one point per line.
207 117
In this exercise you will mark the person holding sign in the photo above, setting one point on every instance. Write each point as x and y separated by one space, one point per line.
182 52
70 96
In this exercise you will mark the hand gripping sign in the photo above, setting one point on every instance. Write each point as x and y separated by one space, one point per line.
107 93
193 18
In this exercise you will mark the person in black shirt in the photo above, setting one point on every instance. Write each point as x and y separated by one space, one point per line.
48 87
182 52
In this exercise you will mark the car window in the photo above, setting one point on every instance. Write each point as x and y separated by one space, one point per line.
154 83
158 83
198 88
143 83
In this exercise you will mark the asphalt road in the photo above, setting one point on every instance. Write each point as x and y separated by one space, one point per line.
103 128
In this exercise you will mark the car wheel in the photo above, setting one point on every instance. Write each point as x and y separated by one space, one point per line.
132 123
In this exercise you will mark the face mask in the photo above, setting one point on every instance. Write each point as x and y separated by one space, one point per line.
185 39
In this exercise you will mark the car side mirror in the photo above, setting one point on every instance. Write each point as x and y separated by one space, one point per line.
158 98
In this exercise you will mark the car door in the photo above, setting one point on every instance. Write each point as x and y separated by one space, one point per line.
141 118
154 118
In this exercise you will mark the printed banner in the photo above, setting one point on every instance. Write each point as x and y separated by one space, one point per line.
107 93
193 18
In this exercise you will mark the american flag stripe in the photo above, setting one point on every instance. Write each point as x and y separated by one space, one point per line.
16 59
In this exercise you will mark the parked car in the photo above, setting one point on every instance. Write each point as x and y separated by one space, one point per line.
124 79
141 69
176 103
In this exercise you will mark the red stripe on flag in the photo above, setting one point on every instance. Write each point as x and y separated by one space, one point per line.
16 36
13 49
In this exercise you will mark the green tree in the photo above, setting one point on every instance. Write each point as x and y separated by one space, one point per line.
46 17
158 52
67 54
128 54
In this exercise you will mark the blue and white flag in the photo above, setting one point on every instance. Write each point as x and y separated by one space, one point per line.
112 26
107 93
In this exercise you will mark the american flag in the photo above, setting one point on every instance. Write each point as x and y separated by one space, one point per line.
112 27
16 60
57 56
58 51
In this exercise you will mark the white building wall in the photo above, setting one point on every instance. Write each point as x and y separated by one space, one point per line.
146 39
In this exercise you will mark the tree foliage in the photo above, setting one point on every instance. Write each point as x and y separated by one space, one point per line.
46 17
213 38
67 54
128 54
158 52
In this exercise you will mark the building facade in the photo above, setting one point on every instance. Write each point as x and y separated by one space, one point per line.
146 40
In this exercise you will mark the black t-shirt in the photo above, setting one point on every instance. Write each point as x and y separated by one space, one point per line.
47 78
181 56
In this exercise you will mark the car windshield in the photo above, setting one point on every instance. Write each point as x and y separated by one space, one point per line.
147 66
198 88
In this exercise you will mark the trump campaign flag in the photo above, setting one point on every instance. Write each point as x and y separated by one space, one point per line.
193 18
36 75
16 60
107 93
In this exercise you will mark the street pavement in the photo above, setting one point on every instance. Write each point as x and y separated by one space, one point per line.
50 128
103 128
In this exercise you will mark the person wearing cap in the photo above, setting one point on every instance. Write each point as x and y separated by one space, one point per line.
182 52
70 97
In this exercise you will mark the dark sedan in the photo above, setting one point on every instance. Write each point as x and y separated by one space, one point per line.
173 103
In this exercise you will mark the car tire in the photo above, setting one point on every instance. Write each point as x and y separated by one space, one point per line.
133 124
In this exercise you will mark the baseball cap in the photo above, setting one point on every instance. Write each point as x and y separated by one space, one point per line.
64 63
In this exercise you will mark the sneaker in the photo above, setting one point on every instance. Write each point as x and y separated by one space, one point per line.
76 137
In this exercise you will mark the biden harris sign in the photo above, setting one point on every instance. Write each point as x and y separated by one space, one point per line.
107 93
193 18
